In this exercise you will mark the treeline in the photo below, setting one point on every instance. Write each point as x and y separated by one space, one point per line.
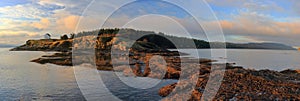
171 42
160 39
97 32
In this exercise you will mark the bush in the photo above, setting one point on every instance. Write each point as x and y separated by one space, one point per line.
64 37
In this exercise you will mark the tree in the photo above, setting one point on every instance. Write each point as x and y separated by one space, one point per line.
47 36
64 37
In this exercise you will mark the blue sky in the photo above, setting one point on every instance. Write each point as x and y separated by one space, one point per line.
241 20
12 2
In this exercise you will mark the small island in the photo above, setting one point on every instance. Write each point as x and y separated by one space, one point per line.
238 83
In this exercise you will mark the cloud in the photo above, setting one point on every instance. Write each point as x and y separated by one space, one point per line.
226 3
295 6
15 25
157 23
225 8
68 23
254 23
259 20
28 11
16 34
248 20
256 27
242 39
17 37
70 6
263 6
21 22
42 24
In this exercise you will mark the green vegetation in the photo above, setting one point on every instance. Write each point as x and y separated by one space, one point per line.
171 42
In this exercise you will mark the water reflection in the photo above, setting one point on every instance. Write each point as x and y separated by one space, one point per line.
23 80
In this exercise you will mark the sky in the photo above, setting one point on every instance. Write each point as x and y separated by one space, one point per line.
242 21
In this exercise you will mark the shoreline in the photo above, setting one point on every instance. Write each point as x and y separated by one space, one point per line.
286 78
238 82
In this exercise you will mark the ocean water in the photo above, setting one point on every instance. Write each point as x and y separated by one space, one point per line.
253 58
26 81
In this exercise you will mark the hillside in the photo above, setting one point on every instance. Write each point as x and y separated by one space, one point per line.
45 45
104 39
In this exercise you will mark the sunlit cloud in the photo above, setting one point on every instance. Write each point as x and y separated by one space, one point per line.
42 24
254 23
241 20
67 23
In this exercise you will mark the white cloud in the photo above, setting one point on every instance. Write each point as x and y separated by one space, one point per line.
295 6
61 16
28 11
263 6
227 3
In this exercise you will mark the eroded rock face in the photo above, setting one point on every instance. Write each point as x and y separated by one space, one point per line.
243 84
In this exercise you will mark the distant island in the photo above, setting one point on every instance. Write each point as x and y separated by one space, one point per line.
154 40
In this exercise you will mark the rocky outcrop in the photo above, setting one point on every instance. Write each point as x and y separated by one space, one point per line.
45 45
63 59
238 83
243 84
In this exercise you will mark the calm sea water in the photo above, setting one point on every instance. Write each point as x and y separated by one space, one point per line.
255 59
26 81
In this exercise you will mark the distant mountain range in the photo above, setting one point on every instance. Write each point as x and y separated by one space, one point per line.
276 46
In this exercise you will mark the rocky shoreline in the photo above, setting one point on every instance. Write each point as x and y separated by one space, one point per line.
238 83
245 84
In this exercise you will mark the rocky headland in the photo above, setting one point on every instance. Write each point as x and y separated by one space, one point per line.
238 83
45 45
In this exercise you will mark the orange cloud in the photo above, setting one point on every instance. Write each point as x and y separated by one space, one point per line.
226 24
293 28
68 23
44 23
255 26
